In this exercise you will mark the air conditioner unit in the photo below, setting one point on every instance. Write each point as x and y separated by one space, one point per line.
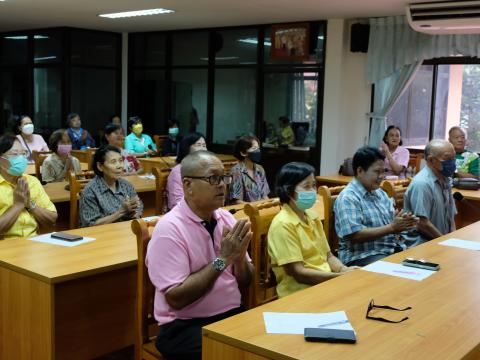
448 17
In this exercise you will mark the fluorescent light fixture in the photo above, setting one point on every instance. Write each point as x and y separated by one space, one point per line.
221 58
24 37
137 13
254 41
45 58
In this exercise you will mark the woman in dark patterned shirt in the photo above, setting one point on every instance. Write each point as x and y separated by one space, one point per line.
108 198
249 181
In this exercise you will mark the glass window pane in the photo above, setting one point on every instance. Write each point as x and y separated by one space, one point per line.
47 97
94 48
94 96
411 112
293 95
470 113
189 99
13 49
14 95
148 49
47 47
442 102
236 46
147 100
234 104
190 48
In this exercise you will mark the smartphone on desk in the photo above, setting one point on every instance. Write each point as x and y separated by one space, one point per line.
65 236
330 335
421 264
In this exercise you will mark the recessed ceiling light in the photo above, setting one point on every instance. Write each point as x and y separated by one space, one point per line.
137 13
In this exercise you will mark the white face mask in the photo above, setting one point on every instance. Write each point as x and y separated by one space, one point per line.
28 129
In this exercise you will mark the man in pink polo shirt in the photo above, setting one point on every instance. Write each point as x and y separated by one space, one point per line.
197 259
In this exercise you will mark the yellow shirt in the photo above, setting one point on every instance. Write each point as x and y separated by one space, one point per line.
26 225
287 136
291 240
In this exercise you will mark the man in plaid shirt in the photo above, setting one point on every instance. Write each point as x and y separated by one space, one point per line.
367 225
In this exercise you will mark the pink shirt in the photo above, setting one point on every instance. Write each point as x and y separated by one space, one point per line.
37 144
402 156
180 246
174 186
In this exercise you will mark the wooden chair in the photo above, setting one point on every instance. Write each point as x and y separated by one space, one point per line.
329 195
396 190
159 140
145 324
161 176
39 157
77 182
85 156
263 287
228 165
415 162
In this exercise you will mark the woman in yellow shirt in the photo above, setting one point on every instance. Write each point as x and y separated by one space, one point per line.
24 205
297 245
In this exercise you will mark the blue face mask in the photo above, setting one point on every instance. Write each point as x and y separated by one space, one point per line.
306 199
173 132
448 168
18 165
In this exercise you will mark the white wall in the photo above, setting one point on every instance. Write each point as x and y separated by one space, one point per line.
346 98
124 113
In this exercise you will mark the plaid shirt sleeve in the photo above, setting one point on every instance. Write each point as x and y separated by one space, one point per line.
236 188
348 216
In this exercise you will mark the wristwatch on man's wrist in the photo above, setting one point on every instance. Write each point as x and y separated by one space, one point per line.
219 264
31 206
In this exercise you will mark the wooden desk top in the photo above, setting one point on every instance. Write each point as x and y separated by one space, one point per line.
443 320
31 168
57 193
469 194
169 161
334 179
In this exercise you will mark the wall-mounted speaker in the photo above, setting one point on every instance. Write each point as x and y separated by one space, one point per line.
359 34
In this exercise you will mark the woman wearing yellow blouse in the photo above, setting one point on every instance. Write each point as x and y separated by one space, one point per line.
24 205
297 245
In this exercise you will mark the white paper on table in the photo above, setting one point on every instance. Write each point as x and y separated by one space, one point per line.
147 176
46 238
406 272
295 323
150 218
464 244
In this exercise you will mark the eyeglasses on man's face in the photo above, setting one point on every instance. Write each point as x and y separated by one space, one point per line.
372 306
213 179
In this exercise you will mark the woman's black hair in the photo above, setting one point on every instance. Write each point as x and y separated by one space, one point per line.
6 142
132 121
17 122
289 176
284 120
172 122
99 157
55 138
365 157
110 128
70 117
184 146
385 137
114 116
244 143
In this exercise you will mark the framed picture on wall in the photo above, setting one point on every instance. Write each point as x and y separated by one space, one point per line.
290 41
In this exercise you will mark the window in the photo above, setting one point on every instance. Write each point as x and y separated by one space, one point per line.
236 46
47 85
454 90
47 47
190 48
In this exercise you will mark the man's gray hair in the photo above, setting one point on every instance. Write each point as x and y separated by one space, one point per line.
435 146
453 128
194 163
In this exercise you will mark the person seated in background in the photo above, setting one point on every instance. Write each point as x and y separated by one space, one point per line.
190 143
138 143
197 260
57 165
116 119
396 156
115 137
299 251
467 163
367 225
170 145
287 136
249 182
429 195
31 142
81 138
24 204
108 198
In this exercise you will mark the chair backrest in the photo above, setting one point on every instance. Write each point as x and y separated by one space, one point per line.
145 289
39 157
396 190
161 176
228 165
329 195
263 287
159 140
415 162
77 182
85 156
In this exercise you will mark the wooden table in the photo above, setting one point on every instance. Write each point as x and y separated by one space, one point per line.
169 161
333 180
443 321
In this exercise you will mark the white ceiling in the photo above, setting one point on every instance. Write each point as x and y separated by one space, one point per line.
34 14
